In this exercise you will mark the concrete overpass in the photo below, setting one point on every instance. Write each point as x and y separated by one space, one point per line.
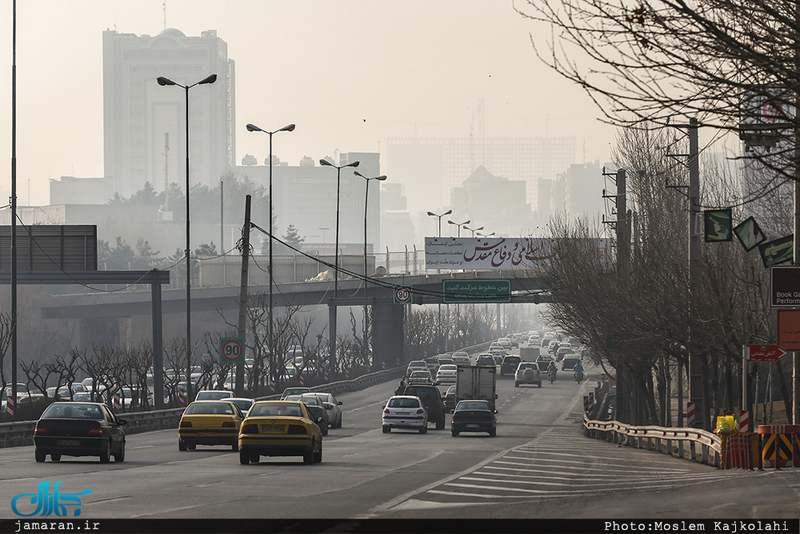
526 287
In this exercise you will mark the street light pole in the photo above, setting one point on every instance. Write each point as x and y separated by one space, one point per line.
254 128
439 305
459 225
166 81
484 235
473 231
332 312
448 212
366 204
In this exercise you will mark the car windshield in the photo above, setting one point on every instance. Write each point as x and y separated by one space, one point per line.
403 403
213 395
276 408
448 367
311 399
210 408
72 411
473 405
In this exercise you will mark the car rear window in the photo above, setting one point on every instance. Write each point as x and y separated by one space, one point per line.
210 408
403 403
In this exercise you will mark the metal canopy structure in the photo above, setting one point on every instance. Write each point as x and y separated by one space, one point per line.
155 278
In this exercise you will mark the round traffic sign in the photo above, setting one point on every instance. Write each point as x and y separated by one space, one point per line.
231 350
402 294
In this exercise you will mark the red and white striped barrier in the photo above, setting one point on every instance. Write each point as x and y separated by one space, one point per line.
326 375
181 396
10 406
383 366
117 402
690 414
272 385
744 420
302 379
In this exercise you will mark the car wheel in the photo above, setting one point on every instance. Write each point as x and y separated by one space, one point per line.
454 433
120 456
40 456
105 454
308 457
55 457
325 431
339 424
181 445
318 455
254 458
538 384
235 447
440 424
424 429
386 430
516 384
492 432
191 446
244 457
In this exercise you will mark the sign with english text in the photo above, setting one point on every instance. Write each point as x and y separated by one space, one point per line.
507 254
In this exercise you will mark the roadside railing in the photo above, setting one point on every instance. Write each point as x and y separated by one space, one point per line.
672 441
20 433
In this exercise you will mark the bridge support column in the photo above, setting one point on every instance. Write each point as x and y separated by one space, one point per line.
388 336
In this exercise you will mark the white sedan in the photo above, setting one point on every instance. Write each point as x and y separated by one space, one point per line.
404 411
447 374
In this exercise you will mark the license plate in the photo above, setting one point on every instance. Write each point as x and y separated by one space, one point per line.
205 434
272 428
472 426
68 442
402 413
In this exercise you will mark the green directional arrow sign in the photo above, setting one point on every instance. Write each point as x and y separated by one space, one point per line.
460 291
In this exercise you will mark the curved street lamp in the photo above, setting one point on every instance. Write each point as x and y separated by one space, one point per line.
484 235
459 225
166 81
473 230
448 212
254 128
332 317
380 178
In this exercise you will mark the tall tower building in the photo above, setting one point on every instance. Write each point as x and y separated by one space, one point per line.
145 123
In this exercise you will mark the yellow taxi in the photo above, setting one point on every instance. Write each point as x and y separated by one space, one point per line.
280 428
213 422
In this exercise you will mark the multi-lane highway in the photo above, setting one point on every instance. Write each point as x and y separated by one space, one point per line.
539 465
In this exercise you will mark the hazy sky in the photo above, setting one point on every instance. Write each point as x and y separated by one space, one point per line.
350 74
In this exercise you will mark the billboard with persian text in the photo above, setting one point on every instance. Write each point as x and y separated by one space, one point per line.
506 254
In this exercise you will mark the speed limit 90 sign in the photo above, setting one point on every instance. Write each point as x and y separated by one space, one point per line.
402 295
231 349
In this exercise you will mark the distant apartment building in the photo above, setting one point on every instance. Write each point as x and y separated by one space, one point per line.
144 124
305 197
431 167
494 203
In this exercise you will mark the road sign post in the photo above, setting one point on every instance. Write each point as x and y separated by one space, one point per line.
402 295
758 353
231 349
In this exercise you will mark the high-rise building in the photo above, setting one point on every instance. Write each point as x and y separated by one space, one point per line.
431 168
305 197
145 124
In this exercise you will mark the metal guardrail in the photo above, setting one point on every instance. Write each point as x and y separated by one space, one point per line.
670 441
21 432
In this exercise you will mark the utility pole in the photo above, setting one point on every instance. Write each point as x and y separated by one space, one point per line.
697 386
239 389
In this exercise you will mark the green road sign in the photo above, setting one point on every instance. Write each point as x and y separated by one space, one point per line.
458 291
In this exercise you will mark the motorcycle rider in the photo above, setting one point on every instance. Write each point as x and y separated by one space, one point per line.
551 370
578 369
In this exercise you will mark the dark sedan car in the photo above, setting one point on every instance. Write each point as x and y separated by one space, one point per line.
473 416
79 429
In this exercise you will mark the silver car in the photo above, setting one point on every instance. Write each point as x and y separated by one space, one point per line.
333 407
